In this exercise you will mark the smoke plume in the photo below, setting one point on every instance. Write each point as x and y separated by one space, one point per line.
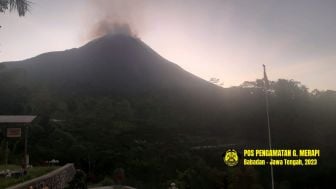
107 26
114 17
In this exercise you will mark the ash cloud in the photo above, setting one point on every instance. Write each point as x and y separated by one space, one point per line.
114 17
107 26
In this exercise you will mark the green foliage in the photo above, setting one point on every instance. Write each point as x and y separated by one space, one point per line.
21 6
32 173
151 135
107 182
13 94
79 181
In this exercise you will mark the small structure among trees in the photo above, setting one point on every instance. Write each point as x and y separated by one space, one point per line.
12 127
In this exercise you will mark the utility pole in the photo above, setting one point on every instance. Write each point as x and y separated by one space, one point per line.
266 87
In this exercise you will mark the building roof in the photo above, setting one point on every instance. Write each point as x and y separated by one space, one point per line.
17 118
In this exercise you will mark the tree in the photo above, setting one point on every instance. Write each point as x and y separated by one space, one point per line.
21 6
216 81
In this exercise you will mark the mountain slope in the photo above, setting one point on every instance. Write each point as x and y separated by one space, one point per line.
114 64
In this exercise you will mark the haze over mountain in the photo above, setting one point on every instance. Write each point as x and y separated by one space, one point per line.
114 63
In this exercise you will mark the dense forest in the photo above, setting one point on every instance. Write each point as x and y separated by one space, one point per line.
157 132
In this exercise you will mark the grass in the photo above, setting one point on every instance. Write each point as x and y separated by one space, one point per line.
10 167
32 173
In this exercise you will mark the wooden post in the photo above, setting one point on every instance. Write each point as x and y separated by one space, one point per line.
6 158
26 148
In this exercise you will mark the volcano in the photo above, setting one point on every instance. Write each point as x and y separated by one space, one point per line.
112 64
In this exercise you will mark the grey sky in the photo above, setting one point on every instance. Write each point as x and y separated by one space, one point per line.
228 39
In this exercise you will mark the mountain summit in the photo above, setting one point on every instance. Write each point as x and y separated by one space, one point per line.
111 64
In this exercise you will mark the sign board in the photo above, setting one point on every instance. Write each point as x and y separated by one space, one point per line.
13 132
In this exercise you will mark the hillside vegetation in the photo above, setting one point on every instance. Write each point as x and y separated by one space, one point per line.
104 107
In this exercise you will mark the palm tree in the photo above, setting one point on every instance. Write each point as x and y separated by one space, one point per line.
21 6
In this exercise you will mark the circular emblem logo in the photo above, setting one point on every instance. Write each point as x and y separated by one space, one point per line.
230 157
